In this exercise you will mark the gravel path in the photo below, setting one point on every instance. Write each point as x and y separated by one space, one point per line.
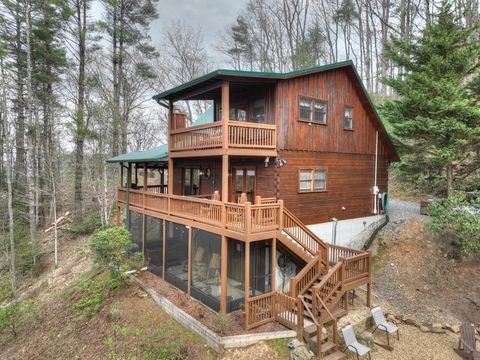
401 210
415 345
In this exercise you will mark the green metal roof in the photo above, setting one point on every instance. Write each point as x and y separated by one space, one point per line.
205 118
159 153
257 74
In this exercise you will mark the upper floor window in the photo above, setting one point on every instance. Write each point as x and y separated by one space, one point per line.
348 118
311 180
312 110
258 111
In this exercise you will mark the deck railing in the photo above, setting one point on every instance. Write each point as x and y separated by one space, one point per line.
242 218
306 277
210 136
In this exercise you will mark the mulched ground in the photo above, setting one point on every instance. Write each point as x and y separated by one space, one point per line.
231 324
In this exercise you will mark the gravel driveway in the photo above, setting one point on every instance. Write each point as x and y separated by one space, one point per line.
401 210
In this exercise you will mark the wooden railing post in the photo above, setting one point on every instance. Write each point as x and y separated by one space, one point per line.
335 332
299 319
248 217
293 287
280 215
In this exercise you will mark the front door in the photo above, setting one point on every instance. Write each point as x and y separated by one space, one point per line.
243 181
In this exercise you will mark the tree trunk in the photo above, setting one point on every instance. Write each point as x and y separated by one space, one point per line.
450 188
30 157
20 106
80 114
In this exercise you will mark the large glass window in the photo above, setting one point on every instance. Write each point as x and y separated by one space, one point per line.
205 268
154 244
136 229
176 255
260 267
235 275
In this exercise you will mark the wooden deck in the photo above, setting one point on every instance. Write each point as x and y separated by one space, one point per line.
254 221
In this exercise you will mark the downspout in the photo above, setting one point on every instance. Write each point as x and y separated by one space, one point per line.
375 187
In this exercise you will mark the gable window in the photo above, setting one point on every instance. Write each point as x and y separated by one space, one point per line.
311 180
348 118
312 110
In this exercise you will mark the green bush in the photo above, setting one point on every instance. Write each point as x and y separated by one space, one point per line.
87 224
455 218
111 248
14 315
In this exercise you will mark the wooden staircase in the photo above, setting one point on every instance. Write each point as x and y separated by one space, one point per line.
318 293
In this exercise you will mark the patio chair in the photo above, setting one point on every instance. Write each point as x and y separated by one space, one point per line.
467 343
383 325
352 344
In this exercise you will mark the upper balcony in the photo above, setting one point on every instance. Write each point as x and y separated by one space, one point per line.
239 120
242 138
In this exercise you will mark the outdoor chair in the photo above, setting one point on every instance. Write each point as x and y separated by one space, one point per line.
467 342
352 344
383 325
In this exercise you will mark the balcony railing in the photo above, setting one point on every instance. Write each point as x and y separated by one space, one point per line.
242 218
241 134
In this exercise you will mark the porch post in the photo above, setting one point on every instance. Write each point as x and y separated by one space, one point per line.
225 118
223 275
170 160
127 199
274 262
247 274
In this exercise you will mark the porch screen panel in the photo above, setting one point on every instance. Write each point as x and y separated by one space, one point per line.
154 244
260 267
205 271
176 255
235 275
136 226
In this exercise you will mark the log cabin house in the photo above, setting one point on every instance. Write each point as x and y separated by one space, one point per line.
221 212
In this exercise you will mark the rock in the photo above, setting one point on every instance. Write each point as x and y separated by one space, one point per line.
410 321
391 318
453 328
438 328
367 339
300 352
424 329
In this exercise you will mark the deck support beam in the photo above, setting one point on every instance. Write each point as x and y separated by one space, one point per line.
225 116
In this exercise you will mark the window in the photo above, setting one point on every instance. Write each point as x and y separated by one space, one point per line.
258 111
312 180
312 110
191 182
348 118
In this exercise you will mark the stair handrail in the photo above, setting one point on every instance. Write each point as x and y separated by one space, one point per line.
315 265
334 330
316 322
301 225
340 266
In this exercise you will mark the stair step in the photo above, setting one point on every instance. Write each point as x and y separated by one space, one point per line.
311 331
337 355
328 346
